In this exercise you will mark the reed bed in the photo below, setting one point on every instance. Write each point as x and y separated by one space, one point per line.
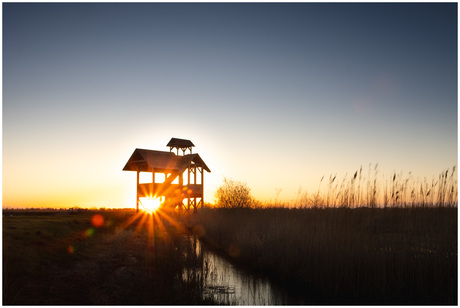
343 256
379 191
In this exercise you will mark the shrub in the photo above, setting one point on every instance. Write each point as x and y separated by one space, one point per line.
234 194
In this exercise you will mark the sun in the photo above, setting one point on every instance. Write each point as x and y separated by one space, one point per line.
150 204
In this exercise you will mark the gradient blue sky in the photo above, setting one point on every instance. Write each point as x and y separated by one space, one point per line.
276 95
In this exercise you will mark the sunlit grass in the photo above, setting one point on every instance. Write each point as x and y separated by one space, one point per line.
94 258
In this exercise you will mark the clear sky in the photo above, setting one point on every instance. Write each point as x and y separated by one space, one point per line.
276 95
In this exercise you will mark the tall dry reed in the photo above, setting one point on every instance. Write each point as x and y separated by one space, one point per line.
377 191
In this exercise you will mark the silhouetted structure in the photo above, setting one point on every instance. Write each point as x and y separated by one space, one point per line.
172 191
182 144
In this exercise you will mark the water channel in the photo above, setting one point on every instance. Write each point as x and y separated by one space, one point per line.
229 285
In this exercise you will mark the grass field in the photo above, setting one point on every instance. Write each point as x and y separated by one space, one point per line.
343 256
62 258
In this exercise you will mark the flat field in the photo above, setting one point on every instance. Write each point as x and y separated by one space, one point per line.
62 258
343 256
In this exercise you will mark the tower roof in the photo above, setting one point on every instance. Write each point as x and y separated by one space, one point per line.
180 143
159 161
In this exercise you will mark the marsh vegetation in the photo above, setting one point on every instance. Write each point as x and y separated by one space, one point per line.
317 256
365 239
375 190
357 242
343 256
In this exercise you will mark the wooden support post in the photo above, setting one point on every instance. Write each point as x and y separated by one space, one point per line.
181 185
194 175
188 183
137 191
202 186
152 187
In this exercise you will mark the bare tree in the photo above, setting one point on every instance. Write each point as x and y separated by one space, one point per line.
234 194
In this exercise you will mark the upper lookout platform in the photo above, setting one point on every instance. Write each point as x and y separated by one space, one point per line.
183 144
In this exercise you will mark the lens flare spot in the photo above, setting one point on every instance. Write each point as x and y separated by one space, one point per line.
70 249
199 231
89 232
97 220
234 251
363 105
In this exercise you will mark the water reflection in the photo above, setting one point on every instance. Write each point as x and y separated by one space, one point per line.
226 284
